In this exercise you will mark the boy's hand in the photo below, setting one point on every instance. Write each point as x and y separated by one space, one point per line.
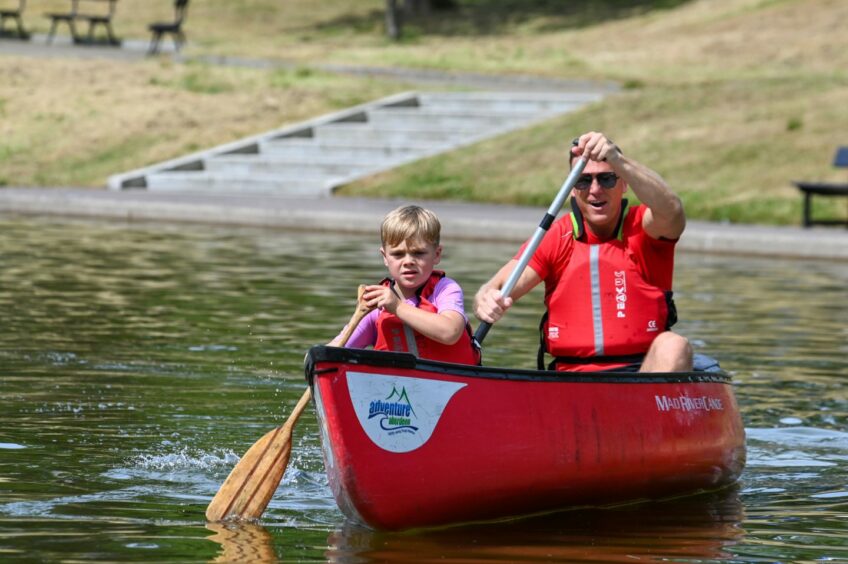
381 296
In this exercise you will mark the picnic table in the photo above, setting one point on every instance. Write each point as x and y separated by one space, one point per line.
14 13
95 12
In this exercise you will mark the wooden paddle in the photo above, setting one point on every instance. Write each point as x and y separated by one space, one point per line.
252 482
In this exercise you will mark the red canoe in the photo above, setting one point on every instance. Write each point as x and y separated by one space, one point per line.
415 443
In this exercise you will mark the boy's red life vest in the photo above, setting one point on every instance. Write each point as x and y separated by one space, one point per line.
394 335
602 313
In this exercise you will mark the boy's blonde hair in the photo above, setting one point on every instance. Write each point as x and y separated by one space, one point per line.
410 222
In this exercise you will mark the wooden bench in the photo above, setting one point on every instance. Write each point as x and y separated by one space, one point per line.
175 28
9 13
830 189
98 13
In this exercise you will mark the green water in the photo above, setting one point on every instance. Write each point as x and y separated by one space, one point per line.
138 362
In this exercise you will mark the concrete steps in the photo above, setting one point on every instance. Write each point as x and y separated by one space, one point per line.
319 167
396 133
466 120
314 157
331 150
205 182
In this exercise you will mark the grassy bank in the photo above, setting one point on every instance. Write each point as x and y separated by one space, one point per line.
729 99
74 122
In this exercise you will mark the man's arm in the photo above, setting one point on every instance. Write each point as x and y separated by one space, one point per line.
490 305
664 217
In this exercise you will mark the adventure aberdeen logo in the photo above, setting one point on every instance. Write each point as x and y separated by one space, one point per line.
394 415
399 413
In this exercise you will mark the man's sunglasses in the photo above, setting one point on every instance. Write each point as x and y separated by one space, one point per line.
605 180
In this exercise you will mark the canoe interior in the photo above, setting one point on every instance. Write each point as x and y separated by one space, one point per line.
706 369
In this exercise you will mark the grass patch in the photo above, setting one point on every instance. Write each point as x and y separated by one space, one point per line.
730 101
69 125
738 168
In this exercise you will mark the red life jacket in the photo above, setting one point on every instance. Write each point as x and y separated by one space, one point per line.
394 335
602 313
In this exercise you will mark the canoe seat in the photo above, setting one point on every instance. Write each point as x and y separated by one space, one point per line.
704 363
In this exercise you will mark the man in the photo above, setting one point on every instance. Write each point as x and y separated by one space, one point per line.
607 269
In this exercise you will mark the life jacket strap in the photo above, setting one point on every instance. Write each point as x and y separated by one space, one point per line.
671 318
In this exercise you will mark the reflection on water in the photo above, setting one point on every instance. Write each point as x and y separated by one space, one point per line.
698 528
138 362
242 543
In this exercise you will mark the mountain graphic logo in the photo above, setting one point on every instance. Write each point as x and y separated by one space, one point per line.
395 412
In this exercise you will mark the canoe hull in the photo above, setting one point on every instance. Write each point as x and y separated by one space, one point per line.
417 443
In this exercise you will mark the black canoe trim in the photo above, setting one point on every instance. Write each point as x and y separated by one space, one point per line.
710 372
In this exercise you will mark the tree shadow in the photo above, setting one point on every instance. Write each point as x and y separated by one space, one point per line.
470 18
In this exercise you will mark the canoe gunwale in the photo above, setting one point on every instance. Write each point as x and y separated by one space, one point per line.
321 353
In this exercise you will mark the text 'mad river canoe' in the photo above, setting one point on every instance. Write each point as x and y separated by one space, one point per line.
415 443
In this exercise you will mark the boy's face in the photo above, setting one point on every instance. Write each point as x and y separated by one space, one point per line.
411 263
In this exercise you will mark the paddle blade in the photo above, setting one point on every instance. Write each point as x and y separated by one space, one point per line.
251 484
249 487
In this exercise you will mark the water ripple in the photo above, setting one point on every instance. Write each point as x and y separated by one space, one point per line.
140 361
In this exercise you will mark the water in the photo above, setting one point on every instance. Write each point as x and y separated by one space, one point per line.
138 362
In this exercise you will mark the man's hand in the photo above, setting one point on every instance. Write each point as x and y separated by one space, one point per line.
597 147
490 304
665 218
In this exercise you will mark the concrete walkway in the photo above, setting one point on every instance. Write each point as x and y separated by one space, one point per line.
461 221
134 49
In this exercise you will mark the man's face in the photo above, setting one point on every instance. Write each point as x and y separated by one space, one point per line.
411 263
600 206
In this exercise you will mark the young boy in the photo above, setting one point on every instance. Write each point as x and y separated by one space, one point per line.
417 309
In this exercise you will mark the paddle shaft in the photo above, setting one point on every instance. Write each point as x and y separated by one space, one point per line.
254 479
361 311
533 244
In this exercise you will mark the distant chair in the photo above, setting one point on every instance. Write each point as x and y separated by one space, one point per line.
102 19
175 28
13 14
68 17
828 189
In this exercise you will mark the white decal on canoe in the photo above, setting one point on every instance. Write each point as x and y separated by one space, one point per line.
686 403
398 413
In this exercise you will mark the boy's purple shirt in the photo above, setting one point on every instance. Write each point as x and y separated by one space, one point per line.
447 296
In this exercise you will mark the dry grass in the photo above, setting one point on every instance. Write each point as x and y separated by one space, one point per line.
74 122
729 99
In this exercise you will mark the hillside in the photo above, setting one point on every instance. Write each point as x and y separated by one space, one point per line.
729 99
